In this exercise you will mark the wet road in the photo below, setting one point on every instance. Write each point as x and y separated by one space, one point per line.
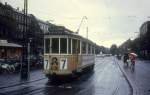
107 79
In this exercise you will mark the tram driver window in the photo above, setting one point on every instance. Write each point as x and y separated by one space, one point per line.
47 45
55 45
63 45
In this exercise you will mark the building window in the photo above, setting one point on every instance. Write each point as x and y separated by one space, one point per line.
63 45
47 45
55 45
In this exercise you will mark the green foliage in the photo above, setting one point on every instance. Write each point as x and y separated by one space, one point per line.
114 50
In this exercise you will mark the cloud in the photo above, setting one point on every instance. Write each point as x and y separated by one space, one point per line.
109 21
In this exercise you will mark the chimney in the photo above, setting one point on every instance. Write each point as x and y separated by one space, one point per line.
6 3
17 9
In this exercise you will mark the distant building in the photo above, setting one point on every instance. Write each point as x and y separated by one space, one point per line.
145 40
12 23
44 26
145 28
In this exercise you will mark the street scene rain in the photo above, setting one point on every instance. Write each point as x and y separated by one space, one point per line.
74 47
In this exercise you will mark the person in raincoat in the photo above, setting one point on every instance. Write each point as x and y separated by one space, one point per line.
125 58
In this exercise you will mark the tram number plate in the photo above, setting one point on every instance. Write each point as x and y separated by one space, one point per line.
63 63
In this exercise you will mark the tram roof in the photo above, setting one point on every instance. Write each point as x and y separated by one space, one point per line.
68 33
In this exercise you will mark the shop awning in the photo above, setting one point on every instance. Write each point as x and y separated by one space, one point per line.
6 44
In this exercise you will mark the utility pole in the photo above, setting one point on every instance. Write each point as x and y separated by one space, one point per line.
25 64
87 32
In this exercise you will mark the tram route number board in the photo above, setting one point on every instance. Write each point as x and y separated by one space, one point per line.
63 63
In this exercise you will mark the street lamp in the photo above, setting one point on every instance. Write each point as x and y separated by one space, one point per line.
25 64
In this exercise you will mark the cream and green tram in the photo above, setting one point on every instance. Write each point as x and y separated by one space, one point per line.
67 55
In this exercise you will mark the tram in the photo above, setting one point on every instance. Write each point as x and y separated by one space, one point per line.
67 55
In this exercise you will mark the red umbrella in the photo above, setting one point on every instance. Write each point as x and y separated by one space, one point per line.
133 54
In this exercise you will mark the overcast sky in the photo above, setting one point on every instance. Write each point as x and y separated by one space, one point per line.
109 21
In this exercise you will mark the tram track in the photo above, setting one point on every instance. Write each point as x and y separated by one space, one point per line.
84 85
18 84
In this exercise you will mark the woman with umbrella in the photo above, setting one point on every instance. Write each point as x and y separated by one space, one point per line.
132 57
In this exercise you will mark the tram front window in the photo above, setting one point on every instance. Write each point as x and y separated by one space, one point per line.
63 45
55 45
47 45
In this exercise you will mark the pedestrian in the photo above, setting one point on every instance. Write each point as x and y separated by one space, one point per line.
132 57
126 58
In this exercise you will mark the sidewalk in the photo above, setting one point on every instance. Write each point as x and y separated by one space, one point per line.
14 79
140 78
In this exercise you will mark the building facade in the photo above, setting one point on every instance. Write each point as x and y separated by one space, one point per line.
145 40
12 28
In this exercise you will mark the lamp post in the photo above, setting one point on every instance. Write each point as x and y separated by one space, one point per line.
25 64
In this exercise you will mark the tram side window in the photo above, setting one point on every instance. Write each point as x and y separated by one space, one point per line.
55 45
83 48
47 45
89 49
93 50
63 45
69 46
74 46
78 46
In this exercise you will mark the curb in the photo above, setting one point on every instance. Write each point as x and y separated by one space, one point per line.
134 90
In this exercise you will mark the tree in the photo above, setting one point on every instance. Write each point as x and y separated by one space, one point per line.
114 49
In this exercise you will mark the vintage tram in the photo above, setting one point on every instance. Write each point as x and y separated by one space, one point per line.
67 54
